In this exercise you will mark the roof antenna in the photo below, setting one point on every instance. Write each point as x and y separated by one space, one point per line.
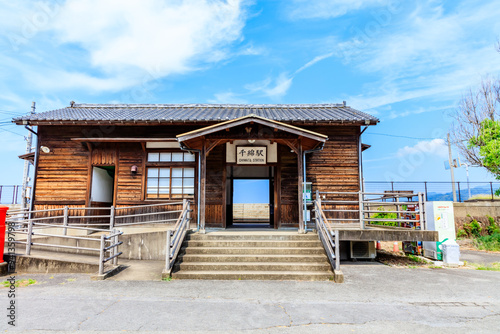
344 102
72 104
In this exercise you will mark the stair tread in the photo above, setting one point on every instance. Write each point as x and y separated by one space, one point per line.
257 263
254 247
254 272
298 256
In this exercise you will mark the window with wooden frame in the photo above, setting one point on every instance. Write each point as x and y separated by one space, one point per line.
170 175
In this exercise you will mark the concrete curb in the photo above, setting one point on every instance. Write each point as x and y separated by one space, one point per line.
111 272
338 276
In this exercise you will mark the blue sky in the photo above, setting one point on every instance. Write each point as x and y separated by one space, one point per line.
406 62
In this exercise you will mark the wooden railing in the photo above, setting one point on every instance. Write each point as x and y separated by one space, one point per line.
325 234
363 209
108 243
41 223
176 237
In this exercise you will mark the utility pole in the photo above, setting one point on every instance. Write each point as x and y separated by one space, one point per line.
467 170
450 160
26 173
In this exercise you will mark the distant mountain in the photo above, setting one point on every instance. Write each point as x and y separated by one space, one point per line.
464 193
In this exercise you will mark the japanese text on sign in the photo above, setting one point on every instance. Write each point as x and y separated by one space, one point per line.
251 155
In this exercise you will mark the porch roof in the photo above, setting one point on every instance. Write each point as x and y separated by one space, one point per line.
310 139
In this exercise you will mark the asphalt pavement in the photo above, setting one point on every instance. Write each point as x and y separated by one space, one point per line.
375 298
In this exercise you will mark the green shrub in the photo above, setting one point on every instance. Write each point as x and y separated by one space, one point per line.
473 228
461 233
489 242
385 215
493 226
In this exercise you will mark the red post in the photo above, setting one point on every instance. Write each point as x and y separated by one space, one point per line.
3 214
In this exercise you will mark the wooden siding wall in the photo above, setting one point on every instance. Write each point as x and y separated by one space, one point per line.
63 175
61 178
129 188
336 168
289 210
215 187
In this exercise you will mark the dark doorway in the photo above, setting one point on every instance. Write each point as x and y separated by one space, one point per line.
102 192
250 194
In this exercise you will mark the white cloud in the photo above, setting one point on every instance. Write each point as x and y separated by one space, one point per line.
227 98
436 147
307 9
272 88
314 61
166 37
428 53
116 44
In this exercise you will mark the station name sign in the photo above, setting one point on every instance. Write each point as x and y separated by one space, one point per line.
251 155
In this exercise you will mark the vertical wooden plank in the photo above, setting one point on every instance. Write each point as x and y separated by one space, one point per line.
277 194
89 176
300 168
224 191
203 180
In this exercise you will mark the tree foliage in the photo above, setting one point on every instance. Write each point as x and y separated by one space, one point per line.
474 108
488 145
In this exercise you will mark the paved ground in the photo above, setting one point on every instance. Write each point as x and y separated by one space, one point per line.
479 257
375 298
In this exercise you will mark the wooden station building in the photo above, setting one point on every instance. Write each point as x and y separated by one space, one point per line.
135 154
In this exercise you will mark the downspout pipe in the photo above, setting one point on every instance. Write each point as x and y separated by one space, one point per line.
191 150
360 159
35 172
319 148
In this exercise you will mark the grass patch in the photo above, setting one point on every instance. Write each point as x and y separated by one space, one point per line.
436 267
489 242
71 279
416 259
492 267
484 196
167 279
19 283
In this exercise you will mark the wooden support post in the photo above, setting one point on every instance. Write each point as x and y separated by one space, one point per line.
337 250
65 220
101 255
188 214
111 218
203 180
115 249
29 237
301 187
421 210
361 212
167 251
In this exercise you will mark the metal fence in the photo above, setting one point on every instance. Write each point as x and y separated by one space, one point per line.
11 194
439 191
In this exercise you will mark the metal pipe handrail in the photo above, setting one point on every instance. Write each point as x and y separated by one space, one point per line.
148 205
147 222
64 246
89 217
73 227
324 233
66 236
176 236
148 214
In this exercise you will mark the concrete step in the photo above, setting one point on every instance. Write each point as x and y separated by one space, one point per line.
254 266
254 250
255 275
250 236
252 243
252 258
